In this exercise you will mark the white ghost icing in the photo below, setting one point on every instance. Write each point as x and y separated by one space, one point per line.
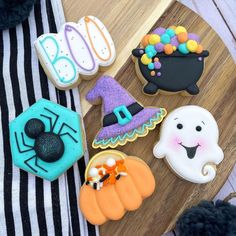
189 142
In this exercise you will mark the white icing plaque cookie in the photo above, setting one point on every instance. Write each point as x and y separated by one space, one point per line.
189 143
78 49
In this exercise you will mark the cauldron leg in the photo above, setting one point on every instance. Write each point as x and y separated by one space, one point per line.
193 89
150 88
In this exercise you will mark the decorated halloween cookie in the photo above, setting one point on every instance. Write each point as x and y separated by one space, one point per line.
46 139
115 183
189 143
124 118
170 60
78 49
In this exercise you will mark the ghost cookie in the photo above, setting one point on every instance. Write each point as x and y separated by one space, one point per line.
170 61
189 143
114 183
78 49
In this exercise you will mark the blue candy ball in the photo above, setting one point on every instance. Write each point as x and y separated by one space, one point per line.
149 48
165 38
170 32
151 66
183 48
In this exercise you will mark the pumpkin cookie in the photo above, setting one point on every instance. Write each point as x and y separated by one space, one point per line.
114 183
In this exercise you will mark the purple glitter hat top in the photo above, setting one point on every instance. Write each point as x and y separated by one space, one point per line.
111 92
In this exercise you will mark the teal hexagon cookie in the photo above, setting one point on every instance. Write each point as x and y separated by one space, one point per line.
46 139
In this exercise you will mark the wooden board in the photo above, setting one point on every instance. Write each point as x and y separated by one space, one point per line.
158 214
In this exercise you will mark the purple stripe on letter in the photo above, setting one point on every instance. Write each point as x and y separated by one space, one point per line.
69 28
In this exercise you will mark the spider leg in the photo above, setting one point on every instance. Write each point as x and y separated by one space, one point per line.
50 120
23 141
26 162
69 136
66 133
52 124
36 164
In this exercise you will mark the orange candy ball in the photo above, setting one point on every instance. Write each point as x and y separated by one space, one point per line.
182 37
145 40
168 49
199 49
152 73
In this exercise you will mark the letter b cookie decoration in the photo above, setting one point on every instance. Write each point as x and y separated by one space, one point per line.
78 49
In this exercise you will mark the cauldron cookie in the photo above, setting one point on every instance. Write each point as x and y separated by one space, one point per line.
170 60
46 139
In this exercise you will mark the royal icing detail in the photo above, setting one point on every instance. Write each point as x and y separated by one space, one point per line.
78 49
170 59
124 118
114 183
41 139
189 143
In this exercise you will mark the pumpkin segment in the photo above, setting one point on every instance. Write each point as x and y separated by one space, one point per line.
89 207
109 202
128 193
123 183
141 175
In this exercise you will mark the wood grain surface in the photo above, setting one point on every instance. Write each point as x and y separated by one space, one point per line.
158 213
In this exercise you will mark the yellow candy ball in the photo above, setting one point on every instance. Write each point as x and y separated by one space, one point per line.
180 29
174 48
145 60
192 45
154 39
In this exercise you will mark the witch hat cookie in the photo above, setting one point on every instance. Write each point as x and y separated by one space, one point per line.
124 118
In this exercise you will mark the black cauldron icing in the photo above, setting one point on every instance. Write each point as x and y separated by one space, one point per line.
178 72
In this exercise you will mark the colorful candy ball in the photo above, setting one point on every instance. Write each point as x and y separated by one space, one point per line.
157 65
159 47
180 29
159 30
145 40
168 49
174 41
165 38
194 37
170 32
154 38
182 37
145 59
192 45
199 49
151 66
183 48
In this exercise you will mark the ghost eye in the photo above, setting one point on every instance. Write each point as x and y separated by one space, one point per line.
198 128
179 126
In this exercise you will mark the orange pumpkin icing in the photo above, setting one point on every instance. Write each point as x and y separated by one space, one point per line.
114 199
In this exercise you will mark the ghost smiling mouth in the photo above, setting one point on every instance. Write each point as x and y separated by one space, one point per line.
191 151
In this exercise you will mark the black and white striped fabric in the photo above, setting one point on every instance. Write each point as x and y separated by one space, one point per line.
28 204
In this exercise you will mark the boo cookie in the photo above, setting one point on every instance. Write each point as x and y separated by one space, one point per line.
124 118
170 60
46 140
189 143
78 49
108 176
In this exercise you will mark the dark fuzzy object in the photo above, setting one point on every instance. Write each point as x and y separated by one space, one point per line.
208 219
13 12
